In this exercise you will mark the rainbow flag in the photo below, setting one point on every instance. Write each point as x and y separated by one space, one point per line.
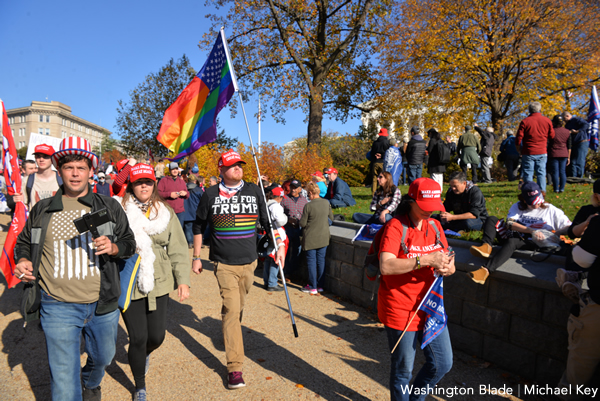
191 122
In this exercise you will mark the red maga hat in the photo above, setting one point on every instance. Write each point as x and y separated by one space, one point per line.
427 193
230 158
44 149
121 164
142 171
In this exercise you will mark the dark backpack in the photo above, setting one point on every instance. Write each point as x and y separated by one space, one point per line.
443 152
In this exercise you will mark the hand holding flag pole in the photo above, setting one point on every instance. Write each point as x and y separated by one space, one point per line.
432 304
234 81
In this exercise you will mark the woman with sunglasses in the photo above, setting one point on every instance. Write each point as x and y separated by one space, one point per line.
384 203
164 266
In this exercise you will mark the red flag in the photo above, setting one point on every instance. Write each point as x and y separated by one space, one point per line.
12 177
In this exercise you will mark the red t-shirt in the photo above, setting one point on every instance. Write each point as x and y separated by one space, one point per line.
400 295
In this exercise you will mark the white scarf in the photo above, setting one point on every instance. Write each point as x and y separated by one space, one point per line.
143 228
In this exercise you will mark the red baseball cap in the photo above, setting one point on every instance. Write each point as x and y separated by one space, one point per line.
427 193
44 149
383 132
230 158
141 171
318 174
332 170
121 164
277 191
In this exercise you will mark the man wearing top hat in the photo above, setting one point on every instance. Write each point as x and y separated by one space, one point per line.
72 280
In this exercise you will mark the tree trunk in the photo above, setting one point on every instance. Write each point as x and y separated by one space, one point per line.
315 117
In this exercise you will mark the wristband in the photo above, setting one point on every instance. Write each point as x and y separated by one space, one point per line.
418 263
196 258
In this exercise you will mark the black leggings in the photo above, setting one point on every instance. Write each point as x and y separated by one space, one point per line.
509 245
146 333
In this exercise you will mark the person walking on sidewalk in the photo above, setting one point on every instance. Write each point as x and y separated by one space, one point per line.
408 262
77 300
164 267
232 208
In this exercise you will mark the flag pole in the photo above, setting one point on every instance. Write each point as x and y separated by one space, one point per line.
287 295
415 314
259 118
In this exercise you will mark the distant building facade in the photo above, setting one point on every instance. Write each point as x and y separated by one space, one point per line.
52 119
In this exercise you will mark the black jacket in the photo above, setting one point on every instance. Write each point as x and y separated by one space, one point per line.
434 165
30 245
380 145
415 151
471 200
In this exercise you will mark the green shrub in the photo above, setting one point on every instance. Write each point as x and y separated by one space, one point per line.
355 173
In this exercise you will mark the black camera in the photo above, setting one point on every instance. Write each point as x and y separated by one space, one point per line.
91 221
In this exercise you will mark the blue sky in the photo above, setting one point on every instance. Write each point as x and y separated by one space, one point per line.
89 55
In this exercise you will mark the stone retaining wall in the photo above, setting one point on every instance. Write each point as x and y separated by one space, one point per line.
517 320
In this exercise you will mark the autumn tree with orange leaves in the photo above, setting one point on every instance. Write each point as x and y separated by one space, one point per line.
491 57
313 55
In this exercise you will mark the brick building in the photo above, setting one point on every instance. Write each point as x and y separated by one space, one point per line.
52 119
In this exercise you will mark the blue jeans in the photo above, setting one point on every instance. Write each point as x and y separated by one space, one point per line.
404 168
578 155
180 217
315 259
558 172
438 361
63 324
414 171
189 234
534 164
456 225
270 271
365 218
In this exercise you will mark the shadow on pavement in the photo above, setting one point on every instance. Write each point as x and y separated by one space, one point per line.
279 360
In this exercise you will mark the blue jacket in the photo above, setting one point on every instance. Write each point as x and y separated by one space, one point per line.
392 162
191 204
509 144
579 124
338 194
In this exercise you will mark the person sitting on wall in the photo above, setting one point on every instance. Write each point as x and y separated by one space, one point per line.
466 201
385 201
338 192
531 218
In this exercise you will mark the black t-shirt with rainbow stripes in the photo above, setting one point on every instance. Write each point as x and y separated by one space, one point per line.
233 221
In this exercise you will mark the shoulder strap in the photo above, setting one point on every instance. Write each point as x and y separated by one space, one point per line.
437 233
402 241
29 185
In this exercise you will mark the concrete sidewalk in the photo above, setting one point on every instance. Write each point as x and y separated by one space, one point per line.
341 352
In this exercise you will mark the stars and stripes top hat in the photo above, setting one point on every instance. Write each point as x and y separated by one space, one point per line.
74 146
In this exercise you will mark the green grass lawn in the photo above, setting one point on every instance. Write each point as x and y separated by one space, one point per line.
499 197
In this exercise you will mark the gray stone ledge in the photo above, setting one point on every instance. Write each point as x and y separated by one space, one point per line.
518 269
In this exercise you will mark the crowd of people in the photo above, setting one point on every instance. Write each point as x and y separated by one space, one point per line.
155 215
